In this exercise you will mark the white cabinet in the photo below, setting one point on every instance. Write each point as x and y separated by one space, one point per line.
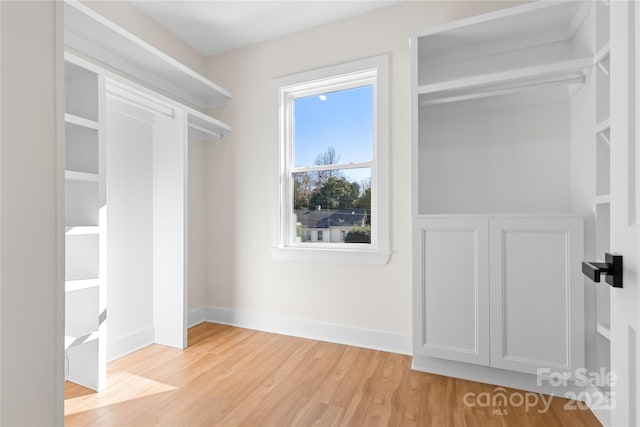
537 294
504 292
451 293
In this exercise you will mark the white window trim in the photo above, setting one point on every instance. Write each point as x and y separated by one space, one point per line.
378 252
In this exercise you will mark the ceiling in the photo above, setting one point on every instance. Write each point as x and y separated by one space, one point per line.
212 26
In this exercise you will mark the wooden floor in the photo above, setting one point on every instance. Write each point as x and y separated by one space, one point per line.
230 376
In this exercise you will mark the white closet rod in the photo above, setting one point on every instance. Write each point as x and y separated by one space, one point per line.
206 131
505 89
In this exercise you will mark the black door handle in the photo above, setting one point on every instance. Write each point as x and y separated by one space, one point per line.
611 268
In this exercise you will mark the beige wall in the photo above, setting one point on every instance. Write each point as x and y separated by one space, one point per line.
31 332
241 272
197 292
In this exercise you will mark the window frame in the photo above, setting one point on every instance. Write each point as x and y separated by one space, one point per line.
371 71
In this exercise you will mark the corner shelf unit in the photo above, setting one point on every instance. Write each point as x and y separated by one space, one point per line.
85 230
602 205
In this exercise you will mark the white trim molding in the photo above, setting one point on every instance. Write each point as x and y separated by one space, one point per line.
129 343
373 71
311 329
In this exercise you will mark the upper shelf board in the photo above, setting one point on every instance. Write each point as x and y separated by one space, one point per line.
506 29
203 126
81 121
206 127
92 34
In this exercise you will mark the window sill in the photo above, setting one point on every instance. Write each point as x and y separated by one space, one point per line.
358 256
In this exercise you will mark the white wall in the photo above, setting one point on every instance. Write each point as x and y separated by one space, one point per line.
130 225
31 332
495 158
241 273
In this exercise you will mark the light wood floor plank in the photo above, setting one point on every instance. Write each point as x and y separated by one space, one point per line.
237 377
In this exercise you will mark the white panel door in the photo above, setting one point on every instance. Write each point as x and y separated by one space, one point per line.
537 296
451 289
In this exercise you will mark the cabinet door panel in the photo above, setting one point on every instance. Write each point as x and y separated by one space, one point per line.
536 294
451 300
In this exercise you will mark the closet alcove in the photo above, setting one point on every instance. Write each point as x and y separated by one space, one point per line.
126 191
510 192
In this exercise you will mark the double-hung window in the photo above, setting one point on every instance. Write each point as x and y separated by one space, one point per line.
331 189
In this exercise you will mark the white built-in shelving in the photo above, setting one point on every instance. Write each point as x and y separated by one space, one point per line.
85 231
602 205
106 65
499 104
90 33
491 94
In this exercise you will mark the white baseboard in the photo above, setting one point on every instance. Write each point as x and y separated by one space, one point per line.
493 376
339 334
599 405
196 316
129 343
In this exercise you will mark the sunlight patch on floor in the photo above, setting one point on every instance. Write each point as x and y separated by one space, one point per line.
119 389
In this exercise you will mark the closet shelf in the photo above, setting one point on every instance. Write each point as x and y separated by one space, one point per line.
603 126
601 59
72 341
207 127
81 230
603 53
81 121
204 126
603 135
78 285
81 176
603 199
566 72
92 34
604 330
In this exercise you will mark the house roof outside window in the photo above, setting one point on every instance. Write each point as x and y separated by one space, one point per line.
326 218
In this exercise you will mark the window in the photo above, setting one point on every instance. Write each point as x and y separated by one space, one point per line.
332 164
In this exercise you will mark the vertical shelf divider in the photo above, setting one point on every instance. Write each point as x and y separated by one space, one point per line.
85 220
